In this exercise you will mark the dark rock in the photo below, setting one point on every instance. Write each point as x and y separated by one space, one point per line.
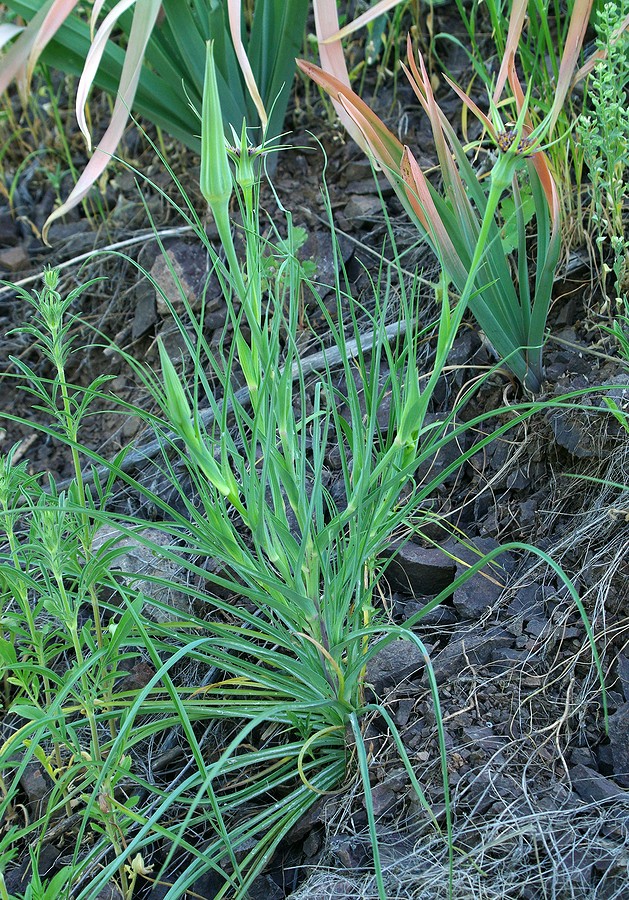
215 319
508 658
403 712
314 817
440 615
78 233
584 432
469 647
484 785
620 393
18 880
394 663
358 170
349 852
432 466
207 885
311 845
37 785
12 259
182 269
362 207
583 756
593 787
265 888
417 570
176 345
109 891
9 230
366 186
158 892
318 248
481 590
622 664
428 571
145 311
137 678
383 798
466 344
619 743
528 601
482 736
535 627
384 406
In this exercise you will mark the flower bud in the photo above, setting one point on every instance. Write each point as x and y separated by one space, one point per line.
216 177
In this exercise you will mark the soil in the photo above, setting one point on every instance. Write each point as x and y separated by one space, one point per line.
539 791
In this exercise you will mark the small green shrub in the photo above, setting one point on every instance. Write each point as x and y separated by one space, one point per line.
603 131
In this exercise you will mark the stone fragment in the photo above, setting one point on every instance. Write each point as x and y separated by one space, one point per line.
183 268
619 743
583 756
536 626
585 433
403 712
468 648
419 571
593 787
12 259
109 891
484 588
319 249
311 845
18 880
441 615
314 816
528 602
9 230
483 736
623 674
362 207
620 393
349 852
394 663
518 480
145 316
37 785
383 798
509 658
484 785
433 465
136 559
137 677
422 571
265 888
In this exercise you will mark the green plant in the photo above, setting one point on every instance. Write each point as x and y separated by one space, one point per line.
460 223
540 46
296 662
160 73
51 889
540 50
275 718
51 573
286 664
292 663
603 131
620 328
